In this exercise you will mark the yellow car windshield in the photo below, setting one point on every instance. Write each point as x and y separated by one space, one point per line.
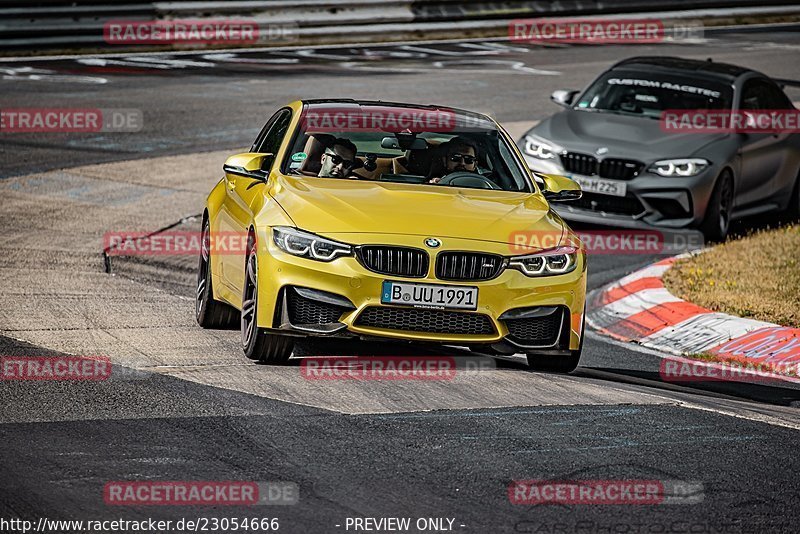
413 145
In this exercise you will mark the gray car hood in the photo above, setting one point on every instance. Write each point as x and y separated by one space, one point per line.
625 136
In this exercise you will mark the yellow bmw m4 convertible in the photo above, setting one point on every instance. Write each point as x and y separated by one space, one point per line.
376 220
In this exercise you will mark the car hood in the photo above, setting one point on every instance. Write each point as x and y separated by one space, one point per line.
625 136
336 206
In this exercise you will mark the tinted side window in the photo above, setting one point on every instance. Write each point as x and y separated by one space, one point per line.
273 136
763 94
777 98
754 95
263 132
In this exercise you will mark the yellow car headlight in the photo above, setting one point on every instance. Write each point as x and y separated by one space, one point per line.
307 245
560 260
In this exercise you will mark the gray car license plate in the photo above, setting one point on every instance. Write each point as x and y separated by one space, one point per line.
599 185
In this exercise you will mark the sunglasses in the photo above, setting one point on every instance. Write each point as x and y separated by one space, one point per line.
337 160
467 159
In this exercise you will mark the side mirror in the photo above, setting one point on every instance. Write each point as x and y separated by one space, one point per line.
564 97
559 188
249 165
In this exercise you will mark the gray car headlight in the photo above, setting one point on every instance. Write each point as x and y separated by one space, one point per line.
307 245
541 148
560 260
679 167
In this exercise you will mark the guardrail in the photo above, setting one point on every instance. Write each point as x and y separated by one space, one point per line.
69 25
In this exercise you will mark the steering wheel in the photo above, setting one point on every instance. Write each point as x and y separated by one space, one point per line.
468 179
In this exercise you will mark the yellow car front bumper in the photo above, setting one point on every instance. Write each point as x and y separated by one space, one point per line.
348 278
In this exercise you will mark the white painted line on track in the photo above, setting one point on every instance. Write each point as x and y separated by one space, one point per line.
756 417
256 50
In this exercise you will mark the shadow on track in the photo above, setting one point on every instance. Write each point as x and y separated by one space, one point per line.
771 394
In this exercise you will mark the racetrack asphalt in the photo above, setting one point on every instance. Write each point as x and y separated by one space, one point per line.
184 403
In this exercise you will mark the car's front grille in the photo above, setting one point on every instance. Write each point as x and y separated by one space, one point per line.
620 169
395 261
536 331
612 168
627 205
307 311
468 266
429 321
579 163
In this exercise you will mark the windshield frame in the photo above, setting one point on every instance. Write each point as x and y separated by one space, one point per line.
727 90
517 171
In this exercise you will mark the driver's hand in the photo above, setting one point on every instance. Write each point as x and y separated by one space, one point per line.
435 180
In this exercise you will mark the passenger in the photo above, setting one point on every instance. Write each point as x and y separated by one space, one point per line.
338 159
459 154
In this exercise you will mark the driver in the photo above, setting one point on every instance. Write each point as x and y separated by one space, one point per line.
338 159
459 154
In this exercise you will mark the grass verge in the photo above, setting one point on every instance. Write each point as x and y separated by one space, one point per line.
757 276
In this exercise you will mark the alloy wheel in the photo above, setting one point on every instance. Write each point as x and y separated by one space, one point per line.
202 274
250 298
725 205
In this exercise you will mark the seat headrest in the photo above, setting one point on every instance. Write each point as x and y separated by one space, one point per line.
314 148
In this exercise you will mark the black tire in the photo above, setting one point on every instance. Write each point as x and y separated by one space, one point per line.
258 343
210 313
555 364
559 364
717 220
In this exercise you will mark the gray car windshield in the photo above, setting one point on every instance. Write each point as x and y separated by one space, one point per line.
637 93
417 146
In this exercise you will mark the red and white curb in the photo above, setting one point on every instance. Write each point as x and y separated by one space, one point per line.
638 308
